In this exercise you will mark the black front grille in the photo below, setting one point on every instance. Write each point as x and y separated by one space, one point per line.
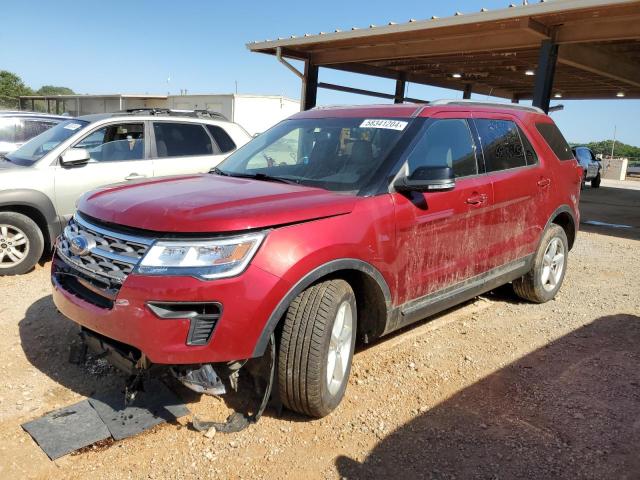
203 317
96 291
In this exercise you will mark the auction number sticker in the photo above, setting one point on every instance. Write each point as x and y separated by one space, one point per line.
388 124
72 126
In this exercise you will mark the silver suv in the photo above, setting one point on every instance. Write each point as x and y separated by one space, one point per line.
41 181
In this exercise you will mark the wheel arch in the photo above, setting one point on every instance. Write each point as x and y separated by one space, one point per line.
368 284
35 205
564 217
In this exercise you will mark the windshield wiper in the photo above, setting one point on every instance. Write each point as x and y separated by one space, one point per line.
255 176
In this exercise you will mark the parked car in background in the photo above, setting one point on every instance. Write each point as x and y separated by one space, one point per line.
18 127
41 181
591 166
335 224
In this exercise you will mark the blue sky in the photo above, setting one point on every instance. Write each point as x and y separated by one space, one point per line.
135 46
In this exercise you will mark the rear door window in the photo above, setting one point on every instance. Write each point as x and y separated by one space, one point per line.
116 142
501 144
181 139
222 138
447 142
555 140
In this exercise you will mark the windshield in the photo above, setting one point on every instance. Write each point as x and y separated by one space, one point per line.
338 154
39 146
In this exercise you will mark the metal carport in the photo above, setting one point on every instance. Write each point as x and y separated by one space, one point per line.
571 49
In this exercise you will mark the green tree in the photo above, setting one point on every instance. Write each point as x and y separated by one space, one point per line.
53 90
11 87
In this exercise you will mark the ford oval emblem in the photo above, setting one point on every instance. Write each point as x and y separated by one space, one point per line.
81 245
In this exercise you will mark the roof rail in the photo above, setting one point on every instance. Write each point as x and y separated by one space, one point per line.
201 113
513 106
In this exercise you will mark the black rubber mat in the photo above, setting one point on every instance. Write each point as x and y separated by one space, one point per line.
157 404
67 429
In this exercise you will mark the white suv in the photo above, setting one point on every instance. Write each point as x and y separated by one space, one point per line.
41 181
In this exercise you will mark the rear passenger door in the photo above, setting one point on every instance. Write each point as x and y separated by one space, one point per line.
519 188
186 148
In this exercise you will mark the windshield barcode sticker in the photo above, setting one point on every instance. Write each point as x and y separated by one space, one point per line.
72 126
388 124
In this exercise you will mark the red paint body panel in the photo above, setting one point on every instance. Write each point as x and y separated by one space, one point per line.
211 203
420 243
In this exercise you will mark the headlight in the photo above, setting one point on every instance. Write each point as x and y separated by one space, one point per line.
226 257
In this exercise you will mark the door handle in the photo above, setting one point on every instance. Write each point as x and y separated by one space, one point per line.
477 199
544 182
134 176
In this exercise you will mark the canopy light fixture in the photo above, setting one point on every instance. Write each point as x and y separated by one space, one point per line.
620 94
457 75
529 73
558 95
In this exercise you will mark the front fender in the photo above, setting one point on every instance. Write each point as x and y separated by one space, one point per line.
36 200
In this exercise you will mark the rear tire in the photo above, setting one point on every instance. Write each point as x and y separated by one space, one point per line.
21 243
316 348
545 278
595 183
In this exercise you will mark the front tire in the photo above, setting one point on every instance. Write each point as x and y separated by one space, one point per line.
316 348
545 278
21 243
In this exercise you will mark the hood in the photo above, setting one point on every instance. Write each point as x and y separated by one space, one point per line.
211 203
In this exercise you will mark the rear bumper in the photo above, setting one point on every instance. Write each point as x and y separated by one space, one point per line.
247 302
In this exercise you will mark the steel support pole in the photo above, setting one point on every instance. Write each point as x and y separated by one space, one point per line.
466 95
309 86
545 74
401 84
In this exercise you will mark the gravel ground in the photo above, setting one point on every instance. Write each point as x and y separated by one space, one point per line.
495 388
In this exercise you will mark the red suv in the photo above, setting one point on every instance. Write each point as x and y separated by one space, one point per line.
335 224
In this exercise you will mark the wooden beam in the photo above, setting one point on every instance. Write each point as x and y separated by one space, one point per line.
542 31
513 39
600 29
601 62
452 84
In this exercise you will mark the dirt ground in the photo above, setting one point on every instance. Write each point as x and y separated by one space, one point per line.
496 388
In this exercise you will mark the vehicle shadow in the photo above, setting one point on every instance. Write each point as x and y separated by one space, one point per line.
46 336
568 410
615 211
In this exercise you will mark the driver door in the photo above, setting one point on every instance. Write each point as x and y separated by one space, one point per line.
119 153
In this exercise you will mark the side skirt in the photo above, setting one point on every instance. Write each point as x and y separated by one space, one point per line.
436 302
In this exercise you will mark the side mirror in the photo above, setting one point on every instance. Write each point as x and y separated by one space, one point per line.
75 157
427 179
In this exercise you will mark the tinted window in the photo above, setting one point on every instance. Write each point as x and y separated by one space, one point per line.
446 143
27 129
529 151
501 144
222 138
122 141
555 140
181 139
7 130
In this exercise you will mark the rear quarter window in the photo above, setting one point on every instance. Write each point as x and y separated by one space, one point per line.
555 140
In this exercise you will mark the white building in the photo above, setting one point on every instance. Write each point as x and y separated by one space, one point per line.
256 113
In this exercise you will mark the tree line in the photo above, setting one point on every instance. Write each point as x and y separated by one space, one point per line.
12 87
620 149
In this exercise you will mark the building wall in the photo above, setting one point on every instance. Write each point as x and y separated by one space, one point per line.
257 114
218 103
